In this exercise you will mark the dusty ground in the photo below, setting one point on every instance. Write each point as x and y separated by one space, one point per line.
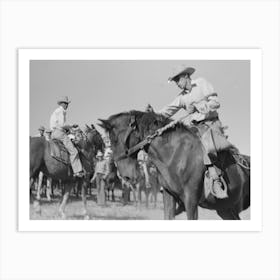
114 210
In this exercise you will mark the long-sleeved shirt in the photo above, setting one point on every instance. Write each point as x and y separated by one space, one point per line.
58 118
201 102
101 167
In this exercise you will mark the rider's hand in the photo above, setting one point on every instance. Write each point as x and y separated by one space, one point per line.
190 108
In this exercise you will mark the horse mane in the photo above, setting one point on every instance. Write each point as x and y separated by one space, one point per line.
151 121
96 137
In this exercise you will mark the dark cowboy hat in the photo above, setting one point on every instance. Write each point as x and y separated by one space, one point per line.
41 128
187 71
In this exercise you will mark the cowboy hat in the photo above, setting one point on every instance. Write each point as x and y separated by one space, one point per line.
187 71
41 128
63 99
48 131
99 154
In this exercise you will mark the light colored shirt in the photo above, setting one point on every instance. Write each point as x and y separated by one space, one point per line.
58 118
142 156
201 102
38 135
48 138
108 153
101 167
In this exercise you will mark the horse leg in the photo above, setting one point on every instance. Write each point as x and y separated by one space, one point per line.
84 199
39 186
113 194
67 189
191 206
155 197
147 194
49 184
134 195
169 205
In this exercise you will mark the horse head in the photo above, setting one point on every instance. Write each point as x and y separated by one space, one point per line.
94 138
126 130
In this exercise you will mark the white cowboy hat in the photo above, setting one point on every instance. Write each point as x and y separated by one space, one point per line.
41 128
63 99
99 154
187 71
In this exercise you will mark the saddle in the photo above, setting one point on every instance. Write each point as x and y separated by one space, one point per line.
59 152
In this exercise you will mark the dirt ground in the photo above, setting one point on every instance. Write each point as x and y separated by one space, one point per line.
114 210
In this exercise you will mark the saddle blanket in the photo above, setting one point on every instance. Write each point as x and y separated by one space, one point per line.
59 152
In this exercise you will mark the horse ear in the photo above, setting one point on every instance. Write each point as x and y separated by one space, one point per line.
92 126
105 124
87 126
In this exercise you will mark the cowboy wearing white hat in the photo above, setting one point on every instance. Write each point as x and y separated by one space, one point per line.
201 102
41 130
48 133
59 131
100 174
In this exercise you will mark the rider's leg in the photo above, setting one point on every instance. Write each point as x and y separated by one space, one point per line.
74 156
215 175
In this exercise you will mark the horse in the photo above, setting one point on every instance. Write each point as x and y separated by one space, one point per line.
42 161
177 154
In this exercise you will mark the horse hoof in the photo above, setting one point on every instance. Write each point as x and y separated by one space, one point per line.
62 215
86 217
84 212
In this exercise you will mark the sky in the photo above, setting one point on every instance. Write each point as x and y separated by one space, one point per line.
99 89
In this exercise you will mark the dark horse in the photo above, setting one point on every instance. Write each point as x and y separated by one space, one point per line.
112 180
178 155
41 160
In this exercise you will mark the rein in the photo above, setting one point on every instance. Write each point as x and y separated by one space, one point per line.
147 140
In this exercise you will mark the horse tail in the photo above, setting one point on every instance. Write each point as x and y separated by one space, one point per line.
37 149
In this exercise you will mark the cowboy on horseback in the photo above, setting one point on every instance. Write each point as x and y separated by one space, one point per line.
41 130
201 102
59 131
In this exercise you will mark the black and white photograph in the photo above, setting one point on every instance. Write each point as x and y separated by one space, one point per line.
129 164
140 139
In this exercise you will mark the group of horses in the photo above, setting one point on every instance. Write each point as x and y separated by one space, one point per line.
177 163
59 175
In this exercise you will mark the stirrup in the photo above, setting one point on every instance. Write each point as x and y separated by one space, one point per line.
222 193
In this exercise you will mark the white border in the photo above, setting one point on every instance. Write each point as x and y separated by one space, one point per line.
24 57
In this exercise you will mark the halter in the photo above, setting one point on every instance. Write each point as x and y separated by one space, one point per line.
129 151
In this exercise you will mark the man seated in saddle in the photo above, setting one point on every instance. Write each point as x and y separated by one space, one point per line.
48 134
60 129
201 102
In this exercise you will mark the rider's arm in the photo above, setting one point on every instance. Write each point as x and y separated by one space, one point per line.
172 108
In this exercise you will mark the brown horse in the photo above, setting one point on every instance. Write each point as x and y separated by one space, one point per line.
41 160
178 155
112 181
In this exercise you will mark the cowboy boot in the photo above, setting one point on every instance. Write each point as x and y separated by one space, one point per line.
218 190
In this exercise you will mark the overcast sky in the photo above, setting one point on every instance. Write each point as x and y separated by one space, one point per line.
98 89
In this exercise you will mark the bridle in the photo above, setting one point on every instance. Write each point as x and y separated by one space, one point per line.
141 145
